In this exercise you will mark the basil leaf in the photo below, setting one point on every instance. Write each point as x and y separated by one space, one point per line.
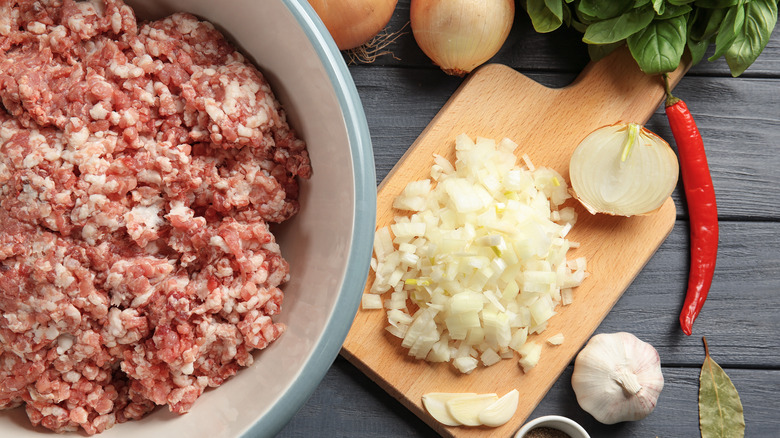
618 28
727 32
698 49
674 11
556 7
697 46
716 4
639 3
543 17
659 47
659 6
599 51
679 2
760 19
605 9
706 23
585 18
720 409
567 16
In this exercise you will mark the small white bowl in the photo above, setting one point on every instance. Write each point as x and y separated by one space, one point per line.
566 425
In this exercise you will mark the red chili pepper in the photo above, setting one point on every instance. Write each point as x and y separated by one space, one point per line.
703 211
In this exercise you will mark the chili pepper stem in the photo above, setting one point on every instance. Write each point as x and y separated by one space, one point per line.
670 100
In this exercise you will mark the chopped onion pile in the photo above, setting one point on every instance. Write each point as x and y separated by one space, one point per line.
481 263
623 170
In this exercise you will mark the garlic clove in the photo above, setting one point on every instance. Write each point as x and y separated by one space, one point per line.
617 377
435 404
466 409
501 411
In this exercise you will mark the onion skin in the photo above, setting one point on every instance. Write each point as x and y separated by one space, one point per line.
353 23
461 35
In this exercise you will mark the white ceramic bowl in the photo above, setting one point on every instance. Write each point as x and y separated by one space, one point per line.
564 424
328 244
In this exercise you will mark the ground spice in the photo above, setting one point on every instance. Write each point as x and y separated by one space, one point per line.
546 432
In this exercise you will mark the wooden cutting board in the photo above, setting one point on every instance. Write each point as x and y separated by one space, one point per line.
496 102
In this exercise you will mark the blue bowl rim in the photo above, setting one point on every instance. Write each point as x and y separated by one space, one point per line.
364 223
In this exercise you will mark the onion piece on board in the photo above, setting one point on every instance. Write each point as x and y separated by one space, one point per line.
623 170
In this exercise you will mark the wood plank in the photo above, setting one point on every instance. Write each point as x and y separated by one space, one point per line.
737 317
739 119
350 403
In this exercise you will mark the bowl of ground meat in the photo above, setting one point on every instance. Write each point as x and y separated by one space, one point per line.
187 208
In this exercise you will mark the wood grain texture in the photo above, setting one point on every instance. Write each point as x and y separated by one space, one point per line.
359 411
498 102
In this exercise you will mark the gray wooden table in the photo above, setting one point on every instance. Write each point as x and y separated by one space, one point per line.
740 121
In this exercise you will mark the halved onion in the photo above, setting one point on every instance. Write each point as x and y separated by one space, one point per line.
623 170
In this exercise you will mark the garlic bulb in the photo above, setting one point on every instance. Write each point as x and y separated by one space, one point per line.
617 377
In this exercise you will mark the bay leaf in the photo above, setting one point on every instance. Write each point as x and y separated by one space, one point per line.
720 409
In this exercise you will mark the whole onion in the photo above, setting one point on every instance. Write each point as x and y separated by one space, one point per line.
460 35
352 23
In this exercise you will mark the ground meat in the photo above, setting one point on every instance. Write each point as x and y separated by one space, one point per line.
140 166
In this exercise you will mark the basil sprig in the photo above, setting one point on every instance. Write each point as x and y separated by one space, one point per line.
657 32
